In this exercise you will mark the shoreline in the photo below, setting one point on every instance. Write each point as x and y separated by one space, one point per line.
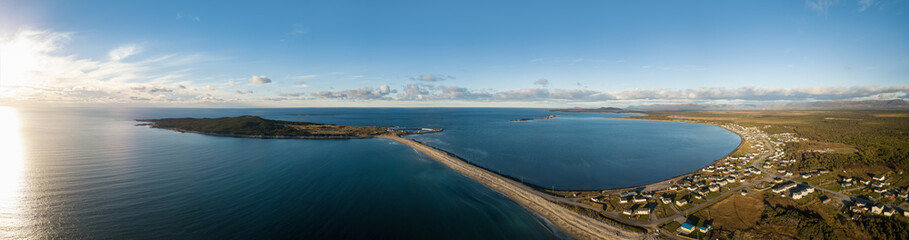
741 143
570 222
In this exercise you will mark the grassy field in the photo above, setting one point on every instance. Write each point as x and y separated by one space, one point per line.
852 143
857 144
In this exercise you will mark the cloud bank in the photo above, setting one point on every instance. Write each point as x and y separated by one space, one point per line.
428 92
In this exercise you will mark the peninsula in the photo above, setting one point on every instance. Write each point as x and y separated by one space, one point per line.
257 127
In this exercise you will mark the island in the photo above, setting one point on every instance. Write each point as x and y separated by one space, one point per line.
257 127
529 119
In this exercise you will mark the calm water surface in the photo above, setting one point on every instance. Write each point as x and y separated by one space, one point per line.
90 173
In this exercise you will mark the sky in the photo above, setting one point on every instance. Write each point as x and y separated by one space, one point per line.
454 53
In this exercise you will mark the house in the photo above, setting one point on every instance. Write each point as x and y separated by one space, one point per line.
705 228
744 192
642 211
714 188
673 187
777 180
681 202
847 179
845 184
889 195
905 213
879 177
889 212
639 199
824 199
877 209
665 200
686 228
623 200
784 187
880 190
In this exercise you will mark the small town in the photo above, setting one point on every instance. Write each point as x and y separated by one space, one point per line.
671 205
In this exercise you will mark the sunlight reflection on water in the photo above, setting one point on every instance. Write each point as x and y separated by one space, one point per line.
12 166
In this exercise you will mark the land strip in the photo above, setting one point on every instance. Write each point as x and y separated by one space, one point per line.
576 225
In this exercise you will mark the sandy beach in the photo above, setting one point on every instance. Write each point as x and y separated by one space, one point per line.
578 226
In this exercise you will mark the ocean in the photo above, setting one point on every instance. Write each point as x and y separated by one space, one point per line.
87 173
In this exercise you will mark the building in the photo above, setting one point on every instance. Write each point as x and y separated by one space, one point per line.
627 212
639 199
686 228
877 209
879 177
784 187
705 228
642 211
889 212
665 200
681 202
623 200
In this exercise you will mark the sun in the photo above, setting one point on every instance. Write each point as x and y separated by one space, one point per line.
19 58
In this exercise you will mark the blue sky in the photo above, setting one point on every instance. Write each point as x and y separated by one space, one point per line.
460 53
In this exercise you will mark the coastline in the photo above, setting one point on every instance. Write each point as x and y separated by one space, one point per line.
540 201
666 181
570 222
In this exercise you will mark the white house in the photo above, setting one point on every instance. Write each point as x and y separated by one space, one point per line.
681 202
877 209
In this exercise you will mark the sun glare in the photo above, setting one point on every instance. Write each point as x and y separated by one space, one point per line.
18 59
12 166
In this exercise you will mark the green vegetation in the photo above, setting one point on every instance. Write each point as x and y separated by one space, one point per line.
671 226
883 228
602 217
860 142
809 224
251 126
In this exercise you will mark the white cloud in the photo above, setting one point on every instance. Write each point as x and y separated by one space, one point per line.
44 72
820 6
259 79
123 52
431 77
864 5
541 82
305 77
365 93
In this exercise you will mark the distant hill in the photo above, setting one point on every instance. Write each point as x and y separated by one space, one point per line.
895 104
601 110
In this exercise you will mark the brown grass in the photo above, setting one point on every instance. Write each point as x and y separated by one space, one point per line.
736 212
899 115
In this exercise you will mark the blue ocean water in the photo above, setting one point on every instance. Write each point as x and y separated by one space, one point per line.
90 173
